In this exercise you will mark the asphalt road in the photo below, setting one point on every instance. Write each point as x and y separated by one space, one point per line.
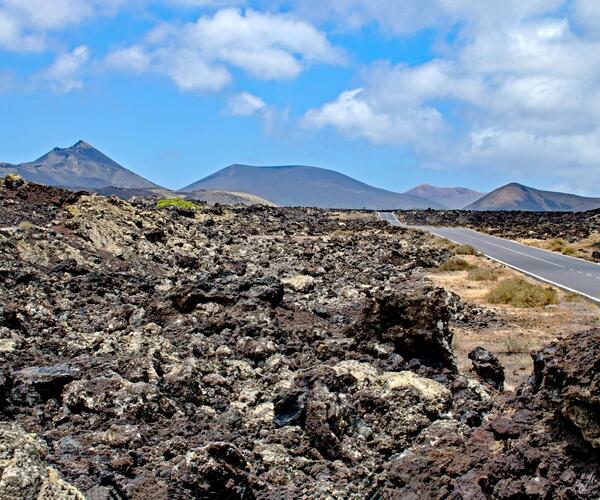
570 273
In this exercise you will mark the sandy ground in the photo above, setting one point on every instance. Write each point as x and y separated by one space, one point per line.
523 331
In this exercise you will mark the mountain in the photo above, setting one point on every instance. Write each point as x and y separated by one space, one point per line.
454 198
308 187
80 166
518 197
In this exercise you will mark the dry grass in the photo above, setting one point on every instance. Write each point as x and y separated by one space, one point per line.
516 344
445 242
519 292
455 264
465 250
555 245
483 274
519 330
582 249
343 215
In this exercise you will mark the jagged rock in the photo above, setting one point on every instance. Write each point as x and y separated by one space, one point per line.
13 181
416 323
570 226
299 283
23 471
487 367
162 355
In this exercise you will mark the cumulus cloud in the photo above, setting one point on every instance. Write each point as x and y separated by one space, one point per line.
521 97
200 55
25 24
64 73
409 16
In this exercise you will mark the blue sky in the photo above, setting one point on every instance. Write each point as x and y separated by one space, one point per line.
450 92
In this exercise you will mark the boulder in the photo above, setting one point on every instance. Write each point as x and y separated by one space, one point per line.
487 367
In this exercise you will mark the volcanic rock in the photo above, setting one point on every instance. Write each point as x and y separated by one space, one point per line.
487 366
183 366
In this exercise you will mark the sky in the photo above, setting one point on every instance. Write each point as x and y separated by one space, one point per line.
449 92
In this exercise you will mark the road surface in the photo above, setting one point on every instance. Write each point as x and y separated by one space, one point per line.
570 273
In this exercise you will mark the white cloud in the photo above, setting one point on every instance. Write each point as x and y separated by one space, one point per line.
355 114
133 59
244 104
25 24
64 74
409 16
199 55
587 14
523 97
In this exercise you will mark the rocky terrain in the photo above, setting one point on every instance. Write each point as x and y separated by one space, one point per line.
570 226
261 352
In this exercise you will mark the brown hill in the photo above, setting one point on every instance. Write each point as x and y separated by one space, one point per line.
518 197
80 166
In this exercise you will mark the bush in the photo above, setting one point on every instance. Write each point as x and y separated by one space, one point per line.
555 245
447 243
520 293
455 264
465 250
569 251
176 202
483 274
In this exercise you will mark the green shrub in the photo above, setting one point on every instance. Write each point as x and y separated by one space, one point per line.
465 250
520 293
483 274
455 264
176 202
569 251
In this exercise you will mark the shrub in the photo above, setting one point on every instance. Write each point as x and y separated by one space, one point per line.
555 245
465 250
572 297
483 274
520 293
447 243
455 264
176 202
569 251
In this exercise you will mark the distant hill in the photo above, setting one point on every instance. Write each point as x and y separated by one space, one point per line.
454 197
518 197
212 196
80 166
308 187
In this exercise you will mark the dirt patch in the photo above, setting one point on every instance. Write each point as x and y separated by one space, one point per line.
521 330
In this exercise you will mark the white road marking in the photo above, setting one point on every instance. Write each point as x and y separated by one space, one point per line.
554 254
516 251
